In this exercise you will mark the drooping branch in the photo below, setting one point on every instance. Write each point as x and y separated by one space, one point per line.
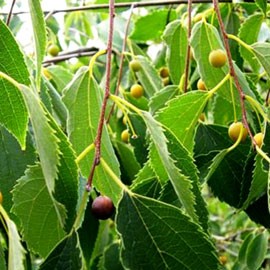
232 69
105 98
10 12
120 73
123 5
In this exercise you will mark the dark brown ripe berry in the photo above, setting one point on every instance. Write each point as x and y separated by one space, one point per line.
102 207
53 50
136 90
1 198
201 85
135 65
259 139
234 131
125 136
217 58
164 72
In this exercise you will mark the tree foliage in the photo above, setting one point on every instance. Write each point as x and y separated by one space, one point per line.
186 195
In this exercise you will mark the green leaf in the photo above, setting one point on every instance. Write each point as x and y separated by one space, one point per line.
128 163
33 205
258 211
261 51
258 184
66 185
39 30
103 239
13 113
111 258
146 182
151 26
13 163
45 139
175 36
255 22
3 264
83 99
60 76
66 255
181 116
145 225
156 164
243 249
140 144
226 174
211 138
180 182
88 236
216 162
148 77
58 106
184 161
257 250
16 252
160 99
262 4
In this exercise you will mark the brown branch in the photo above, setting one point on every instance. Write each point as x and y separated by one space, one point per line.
232 70
105 98
124 5
120 73
10 12
188 46
71 54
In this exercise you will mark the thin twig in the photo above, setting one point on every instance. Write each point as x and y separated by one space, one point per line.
105 99
120 73
232 70
188 47
124 5
71 54
10 12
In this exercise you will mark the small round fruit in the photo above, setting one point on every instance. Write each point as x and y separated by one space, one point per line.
125 136
198 17
166 81
234 131
135 65
217 58
202 117
53 50
1 197
124 120
102 207
201 85
46 73
164 72
136 90
259 139
223 259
